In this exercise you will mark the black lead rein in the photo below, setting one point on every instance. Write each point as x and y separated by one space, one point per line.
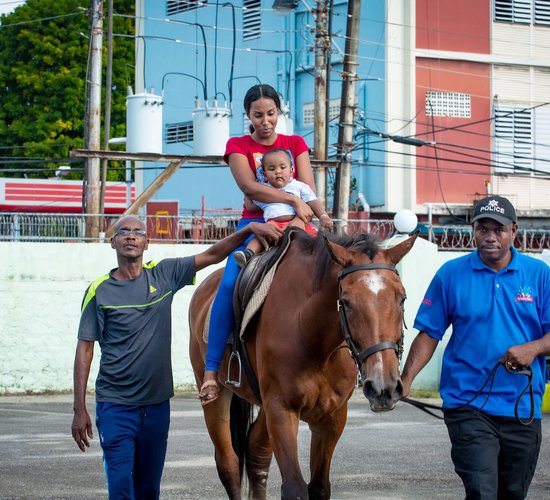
426 407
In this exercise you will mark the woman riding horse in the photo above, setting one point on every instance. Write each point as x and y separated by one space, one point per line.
299 347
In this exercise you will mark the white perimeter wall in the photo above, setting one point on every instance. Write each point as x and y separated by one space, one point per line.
41 290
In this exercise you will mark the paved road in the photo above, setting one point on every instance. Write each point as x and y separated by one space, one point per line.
403 454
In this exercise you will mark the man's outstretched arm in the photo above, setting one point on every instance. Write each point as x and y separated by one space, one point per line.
266 234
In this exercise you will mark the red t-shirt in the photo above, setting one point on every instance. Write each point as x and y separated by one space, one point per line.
254 151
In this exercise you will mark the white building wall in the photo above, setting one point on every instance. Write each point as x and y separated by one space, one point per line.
41 290
520 41
400 104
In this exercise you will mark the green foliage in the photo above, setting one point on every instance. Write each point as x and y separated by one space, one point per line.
43 60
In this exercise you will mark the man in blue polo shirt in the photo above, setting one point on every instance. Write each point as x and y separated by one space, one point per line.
498 304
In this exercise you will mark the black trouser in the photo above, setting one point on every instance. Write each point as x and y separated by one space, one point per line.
495 457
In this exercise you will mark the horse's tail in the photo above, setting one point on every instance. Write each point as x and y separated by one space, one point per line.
240 422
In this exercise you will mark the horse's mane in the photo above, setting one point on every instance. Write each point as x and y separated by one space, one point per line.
362 242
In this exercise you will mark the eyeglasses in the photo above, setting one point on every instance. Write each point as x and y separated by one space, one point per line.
135 232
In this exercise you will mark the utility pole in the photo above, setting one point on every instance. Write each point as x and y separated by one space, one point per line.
93 124
107 119
322 45
320 100
347 117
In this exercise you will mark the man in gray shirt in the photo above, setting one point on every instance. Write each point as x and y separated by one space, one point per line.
128 311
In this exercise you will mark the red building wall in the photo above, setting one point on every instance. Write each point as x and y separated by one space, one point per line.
459 166
455 25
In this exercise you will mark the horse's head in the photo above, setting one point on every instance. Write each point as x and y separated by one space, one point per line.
371 303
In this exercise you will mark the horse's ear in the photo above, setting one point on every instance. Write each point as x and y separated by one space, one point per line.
338 253
396 253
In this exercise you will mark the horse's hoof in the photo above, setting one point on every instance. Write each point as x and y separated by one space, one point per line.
210 391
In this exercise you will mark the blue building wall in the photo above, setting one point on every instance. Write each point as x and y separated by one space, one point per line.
282 56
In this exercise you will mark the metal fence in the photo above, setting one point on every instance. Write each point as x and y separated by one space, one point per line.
461 238
211 226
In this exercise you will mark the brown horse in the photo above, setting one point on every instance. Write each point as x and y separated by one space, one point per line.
323 293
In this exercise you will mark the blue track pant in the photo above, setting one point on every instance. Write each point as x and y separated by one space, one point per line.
134 440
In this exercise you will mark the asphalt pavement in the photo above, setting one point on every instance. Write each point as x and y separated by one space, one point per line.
403 454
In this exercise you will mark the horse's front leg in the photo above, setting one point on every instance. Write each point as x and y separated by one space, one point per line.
258 457
216 416
324 437
282 424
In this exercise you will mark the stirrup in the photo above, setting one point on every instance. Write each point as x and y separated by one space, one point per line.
229 381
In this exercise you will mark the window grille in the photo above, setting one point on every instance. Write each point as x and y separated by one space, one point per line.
450 104
177 6
251 19
542 12
542 140
513 140
308 113
523 11
179 132
513 11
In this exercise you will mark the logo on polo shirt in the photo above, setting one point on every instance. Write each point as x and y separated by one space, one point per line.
492 206
152 289
524 294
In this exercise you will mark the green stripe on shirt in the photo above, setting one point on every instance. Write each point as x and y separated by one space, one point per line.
91 291
139 305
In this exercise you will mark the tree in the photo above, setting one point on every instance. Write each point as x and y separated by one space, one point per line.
43 61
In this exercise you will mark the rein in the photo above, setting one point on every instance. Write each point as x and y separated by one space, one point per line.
426 407
359 357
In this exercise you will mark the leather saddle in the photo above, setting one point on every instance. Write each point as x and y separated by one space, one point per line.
249 281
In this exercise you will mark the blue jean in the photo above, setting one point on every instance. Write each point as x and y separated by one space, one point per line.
134 440
222 320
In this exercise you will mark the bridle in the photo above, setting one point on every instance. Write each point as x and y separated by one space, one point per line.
359 357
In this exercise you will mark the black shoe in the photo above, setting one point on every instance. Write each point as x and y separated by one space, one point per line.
243 256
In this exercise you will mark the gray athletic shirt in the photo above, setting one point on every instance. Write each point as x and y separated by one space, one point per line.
132 321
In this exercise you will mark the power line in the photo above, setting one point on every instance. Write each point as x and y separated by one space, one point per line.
488 164
483 120
412 140
218 28
34 21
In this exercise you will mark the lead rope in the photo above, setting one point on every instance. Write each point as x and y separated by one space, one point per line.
426 407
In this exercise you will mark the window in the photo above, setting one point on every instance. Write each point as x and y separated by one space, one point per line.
308 113
179 132
523 11
177 6
251 19
513 140
542 140
542 12
451 104
522 140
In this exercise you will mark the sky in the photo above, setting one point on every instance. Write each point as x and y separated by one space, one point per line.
8 5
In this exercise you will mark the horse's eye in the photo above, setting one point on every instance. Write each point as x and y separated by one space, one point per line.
346 303
404 298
